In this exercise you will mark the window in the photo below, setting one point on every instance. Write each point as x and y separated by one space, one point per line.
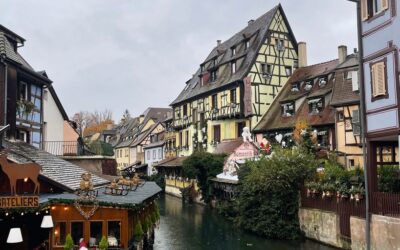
233 67
340 116
288 109
159 153
378 80
240 126
184 110
22 91
288 70
295 87
351 161
114 233
213 75
77 231
266 68
22 136
370 8
201 80
202 68
279 43
154 154
246 44
355 120
187 138
233 95
96 232
295 64
217 133
60 229
194 115
148 155
316 105
233 51
214 102
180 139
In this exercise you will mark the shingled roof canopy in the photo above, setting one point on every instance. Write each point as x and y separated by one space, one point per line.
255 32
62 173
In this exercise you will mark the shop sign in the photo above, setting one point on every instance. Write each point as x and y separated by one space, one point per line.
15 172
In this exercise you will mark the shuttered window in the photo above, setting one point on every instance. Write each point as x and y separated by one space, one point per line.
364 9
378 78
384 4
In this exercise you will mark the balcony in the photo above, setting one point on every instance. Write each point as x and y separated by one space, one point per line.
74 148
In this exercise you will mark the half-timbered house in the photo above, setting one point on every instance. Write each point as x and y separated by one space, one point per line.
21 91
308 97
236 84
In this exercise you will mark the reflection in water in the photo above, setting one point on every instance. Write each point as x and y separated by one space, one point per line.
194 227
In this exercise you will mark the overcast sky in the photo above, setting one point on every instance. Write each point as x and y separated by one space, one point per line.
135 54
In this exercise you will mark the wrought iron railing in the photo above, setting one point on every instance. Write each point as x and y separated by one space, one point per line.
74 148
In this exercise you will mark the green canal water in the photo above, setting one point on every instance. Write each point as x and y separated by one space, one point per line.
195 227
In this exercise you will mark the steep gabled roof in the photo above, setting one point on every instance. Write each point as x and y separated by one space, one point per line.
62 173
256 32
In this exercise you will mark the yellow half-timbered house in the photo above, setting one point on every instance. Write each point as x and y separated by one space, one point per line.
236 83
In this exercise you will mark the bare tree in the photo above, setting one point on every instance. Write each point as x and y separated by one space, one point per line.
92 121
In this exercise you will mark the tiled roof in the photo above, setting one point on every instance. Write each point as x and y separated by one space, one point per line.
273 119
154 144
256 31
343 92
66 174
171 162
228 146
148 190
131 128
7 50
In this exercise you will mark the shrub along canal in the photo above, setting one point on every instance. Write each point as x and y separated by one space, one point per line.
195 227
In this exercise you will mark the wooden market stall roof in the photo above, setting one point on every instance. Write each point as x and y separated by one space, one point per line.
133 198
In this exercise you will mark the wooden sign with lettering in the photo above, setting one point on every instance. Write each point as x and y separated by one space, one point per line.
14 172
19 201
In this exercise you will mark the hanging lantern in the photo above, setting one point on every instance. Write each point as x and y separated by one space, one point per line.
47 222
14 236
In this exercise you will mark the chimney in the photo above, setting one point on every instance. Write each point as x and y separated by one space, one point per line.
250 21
141 119
342 51
302 47
218 42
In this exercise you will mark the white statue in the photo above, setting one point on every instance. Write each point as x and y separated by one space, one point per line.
246 135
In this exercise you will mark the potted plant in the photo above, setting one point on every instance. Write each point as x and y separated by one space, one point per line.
103 244
24 107
343 192
357 193
313 188
69 243
328 190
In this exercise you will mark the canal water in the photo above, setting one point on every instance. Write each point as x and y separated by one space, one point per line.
195 227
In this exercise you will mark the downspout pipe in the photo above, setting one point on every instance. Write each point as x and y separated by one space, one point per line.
362 115
5 88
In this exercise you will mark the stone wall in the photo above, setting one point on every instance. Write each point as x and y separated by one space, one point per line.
322 226
385 233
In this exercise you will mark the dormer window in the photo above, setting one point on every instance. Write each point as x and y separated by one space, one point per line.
214 62
201 80
316 105
295 87
287 109
233 51
308 86
213 75
322 82
288 70
233 67
202 68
